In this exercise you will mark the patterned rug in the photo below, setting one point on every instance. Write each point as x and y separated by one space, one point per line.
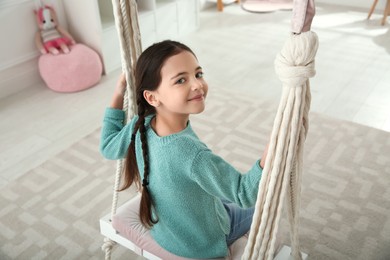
53 211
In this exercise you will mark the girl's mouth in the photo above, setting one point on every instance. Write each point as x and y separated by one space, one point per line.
197 98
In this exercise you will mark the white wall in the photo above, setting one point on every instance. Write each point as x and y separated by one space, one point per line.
18 53
84 24
18 26
17 30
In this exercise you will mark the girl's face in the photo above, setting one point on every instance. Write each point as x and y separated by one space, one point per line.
182 90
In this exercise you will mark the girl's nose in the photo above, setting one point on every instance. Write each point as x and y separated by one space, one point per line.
197 85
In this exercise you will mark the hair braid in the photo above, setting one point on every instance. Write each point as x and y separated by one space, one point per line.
131 167
147 77
146 200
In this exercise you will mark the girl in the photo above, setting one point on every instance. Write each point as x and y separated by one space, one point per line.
192 200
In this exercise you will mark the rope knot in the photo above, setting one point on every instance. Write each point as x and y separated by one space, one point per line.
295 63
108 244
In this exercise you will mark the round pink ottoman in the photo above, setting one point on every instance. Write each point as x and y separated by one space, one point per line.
80 69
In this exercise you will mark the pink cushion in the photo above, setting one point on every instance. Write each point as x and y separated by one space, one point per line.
80 69
127 223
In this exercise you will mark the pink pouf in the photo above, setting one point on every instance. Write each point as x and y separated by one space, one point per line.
80 69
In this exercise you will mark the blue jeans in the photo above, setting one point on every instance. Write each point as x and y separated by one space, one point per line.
240 220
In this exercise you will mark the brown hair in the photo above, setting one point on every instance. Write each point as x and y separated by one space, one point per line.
147 77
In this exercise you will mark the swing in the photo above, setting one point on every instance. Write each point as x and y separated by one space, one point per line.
282 171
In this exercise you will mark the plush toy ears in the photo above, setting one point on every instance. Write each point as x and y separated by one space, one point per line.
38 6
39 12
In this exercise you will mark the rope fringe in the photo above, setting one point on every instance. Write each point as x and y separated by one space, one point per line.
282 171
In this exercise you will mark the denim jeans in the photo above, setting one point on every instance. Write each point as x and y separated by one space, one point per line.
240 220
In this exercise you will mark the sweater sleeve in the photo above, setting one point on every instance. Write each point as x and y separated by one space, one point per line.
115 136
220 179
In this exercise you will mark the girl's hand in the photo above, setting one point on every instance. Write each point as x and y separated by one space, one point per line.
119 93
264 157
121 85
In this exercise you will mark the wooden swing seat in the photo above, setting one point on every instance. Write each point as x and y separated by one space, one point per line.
127 230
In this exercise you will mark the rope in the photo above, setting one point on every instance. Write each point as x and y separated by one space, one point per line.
282 171
126 22
107 247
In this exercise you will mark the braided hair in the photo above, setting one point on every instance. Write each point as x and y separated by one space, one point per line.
147 77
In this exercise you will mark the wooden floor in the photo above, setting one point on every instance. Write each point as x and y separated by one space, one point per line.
236 50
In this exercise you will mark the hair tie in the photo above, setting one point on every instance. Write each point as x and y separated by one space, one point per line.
145 182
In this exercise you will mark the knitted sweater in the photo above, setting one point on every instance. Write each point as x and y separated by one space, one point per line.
186 182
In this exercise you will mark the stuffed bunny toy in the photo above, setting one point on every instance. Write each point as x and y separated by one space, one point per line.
51 37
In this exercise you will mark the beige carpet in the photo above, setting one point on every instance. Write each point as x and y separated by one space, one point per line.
53 211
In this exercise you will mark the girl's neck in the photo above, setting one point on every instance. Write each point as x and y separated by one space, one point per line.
166 125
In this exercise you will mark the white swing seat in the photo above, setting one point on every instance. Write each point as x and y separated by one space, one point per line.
127 230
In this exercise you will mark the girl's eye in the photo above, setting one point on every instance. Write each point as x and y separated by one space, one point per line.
199 74
181 81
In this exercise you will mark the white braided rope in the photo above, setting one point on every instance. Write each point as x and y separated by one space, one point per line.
288 159
107 247
282 171
126 21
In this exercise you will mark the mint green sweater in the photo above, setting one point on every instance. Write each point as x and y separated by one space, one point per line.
186 183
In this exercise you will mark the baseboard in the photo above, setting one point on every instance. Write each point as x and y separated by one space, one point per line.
19 77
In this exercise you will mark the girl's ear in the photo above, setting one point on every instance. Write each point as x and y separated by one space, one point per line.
151 98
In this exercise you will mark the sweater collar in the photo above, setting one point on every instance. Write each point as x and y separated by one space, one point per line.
151 134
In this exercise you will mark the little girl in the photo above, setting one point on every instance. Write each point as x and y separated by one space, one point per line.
195 203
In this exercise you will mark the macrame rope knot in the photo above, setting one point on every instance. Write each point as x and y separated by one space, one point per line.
294 65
